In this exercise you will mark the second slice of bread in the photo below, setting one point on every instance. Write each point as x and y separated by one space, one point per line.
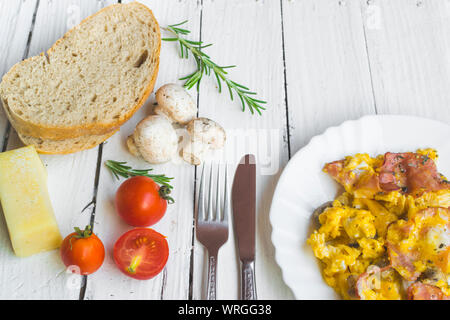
90 81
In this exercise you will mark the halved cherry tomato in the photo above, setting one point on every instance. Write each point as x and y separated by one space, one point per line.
141 202
84 250
141 253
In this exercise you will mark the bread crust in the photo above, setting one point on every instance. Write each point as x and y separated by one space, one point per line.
47 148
98 128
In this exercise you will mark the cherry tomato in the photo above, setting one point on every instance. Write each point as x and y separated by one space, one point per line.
84 250
141 202
141 253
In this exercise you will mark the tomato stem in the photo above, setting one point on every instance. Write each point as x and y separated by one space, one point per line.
134 264
164 193
82 234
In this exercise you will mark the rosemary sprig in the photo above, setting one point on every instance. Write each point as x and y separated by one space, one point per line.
120 169
204 67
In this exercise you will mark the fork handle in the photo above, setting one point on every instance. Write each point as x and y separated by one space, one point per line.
248 283
211 284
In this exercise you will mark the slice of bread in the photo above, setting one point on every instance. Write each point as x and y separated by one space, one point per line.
65 146
91 80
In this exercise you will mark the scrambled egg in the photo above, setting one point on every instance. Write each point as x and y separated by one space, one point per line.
373 243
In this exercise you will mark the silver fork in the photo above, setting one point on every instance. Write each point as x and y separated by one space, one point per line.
212 229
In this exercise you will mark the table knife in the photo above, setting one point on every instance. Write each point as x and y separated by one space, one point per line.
244 202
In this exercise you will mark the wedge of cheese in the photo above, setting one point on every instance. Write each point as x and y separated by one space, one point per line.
26 203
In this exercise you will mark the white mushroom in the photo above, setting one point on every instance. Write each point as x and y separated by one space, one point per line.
154 139
207 131
195 152
205 135
175 103
132 146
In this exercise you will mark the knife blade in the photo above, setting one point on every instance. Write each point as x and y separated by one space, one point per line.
244 217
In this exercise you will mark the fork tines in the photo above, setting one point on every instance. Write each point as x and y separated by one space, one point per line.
206 211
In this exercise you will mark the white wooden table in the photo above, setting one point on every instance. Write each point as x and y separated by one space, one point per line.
316 62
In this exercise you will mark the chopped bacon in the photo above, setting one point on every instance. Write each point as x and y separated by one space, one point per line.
403 262
365 185
411 173
368 280
336 168
371 280
421 291
418 228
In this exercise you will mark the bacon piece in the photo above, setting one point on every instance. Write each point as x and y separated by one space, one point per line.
365 185
411 173
403 262
335 169
368 280
422 235
421 291
369 284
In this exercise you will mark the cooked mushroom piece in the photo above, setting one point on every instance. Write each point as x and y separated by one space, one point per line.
175 103
195 152
205 135
154 139
207 131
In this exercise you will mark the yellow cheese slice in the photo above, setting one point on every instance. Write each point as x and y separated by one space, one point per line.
26 203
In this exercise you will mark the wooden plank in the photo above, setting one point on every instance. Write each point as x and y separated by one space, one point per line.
248 34
173 282
70 178
15 26
327 72
409 52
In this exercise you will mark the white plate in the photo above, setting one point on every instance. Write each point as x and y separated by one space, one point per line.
303 186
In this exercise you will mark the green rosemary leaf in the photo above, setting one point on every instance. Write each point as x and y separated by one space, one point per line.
205 66
228 67
258 101
195 43
243 104
121 169
179 24
182 31
181 52
218 81
206 46
230 90
239 85
187 77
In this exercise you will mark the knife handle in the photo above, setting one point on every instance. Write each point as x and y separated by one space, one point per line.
248 284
